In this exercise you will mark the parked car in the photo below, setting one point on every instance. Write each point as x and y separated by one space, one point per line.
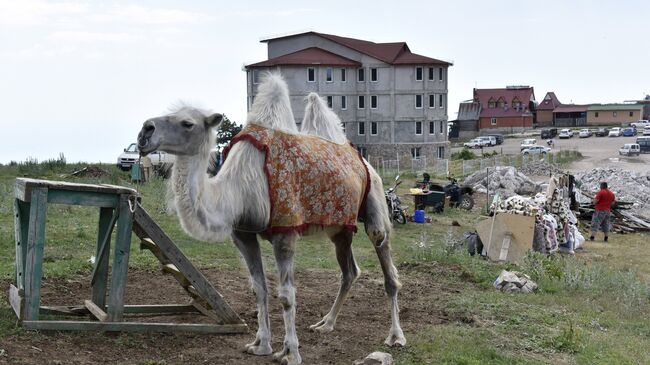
565 133
629 132
499 137
642 123
535 149
585 133
491 140
644 144
131 154
476 143
615 132
630 149
646 131
527 143
548 133
602 132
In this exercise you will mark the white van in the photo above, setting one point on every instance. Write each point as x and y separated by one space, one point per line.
491 140
630 149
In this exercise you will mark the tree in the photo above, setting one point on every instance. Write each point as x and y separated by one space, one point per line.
227 131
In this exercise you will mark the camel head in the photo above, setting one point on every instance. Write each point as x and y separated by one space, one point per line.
184 132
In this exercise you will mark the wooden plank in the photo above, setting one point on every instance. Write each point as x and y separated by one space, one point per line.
520 228
205 311
134 327
64 310
120 261
172 269
24 187
84 198
147 225
15 296
34 257
160 309
147 243
95 310
21 230
99 277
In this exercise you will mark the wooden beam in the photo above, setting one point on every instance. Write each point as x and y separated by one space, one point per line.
133 327
83 198
160 309
24 186
146 225
120 260
206 312
15 296
21 231
72 310
34 257
172 269
99 281
95 310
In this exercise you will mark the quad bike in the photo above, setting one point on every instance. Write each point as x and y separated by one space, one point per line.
394 204
459 196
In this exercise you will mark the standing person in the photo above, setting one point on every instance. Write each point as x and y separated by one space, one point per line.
603 205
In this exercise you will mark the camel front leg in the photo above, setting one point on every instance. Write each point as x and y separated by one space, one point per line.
284 248
349 274
249 247
392 286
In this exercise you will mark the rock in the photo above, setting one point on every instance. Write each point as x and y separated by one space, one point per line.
514 282
627 185
505 180
376 358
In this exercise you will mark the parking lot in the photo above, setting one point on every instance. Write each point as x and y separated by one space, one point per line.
597 151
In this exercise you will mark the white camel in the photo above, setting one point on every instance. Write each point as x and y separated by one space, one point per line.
241 201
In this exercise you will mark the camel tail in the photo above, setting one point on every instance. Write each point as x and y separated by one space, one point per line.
272 106
321 121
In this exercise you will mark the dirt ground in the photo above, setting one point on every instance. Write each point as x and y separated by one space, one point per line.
361 328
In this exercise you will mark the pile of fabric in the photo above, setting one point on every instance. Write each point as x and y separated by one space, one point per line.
555 224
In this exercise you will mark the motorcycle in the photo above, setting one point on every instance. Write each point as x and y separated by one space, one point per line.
394 204
550 142
459 196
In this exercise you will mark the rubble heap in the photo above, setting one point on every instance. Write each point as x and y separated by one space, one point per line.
540 168
504 180
628 186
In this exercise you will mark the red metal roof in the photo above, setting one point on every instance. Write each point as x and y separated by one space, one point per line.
550 102
391 53
570 108
308 56
523 94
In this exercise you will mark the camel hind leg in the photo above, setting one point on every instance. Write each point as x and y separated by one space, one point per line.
378 228
349 273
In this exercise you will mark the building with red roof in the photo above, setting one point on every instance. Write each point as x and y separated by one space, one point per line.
392 101
545 109
508 109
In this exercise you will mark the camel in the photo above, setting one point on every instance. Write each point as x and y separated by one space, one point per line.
243 201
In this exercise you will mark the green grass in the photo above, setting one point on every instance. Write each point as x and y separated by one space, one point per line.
590 309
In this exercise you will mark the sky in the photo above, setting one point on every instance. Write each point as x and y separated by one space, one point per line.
80 77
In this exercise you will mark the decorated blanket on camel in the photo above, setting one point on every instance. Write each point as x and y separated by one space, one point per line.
312 181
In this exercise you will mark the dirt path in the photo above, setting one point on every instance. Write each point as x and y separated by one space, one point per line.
361 328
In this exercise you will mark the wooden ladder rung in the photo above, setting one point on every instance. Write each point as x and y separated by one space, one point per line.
173 270
95 310
149 244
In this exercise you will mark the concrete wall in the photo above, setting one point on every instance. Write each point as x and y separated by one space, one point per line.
606 117
544 118
507 124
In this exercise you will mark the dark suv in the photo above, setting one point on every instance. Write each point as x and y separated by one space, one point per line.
548 133
602 132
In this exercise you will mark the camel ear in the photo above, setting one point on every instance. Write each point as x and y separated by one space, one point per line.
214 120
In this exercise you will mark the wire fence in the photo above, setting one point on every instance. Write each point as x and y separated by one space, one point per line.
406 165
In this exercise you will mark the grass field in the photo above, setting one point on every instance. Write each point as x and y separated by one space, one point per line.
590 309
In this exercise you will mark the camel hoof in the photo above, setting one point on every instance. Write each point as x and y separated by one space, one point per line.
395 340
258 349
286 357
322 327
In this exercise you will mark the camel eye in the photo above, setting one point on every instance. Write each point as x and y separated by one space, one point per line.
187 125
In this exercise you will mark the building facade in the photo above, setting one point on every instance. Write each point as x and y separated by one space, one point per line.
608 114
544 112
506 110
391 101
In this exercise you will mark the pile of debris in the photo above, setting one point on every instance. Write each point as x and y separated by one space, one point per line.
628 186
514 282
90 171
540 168
504 180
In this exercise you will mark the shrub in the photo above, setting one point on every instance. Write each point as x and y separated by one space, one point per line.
465 154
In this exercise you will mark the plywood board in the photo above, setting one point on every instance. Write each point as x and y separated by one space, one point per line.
507 237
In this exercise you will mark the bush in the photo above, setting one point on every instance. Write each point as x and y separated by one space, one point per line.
465 154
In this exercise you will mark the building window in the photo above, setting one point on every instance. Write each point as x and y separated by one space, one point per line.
431 74
311 74
432 101
329 101
493 121
441 152
432 127
491 103
441 101
418 101
344 74
343 126
415 153
418 128
361 102
442 127
596 114
501 103
256 76
329 75
362 128
418 74
631 114
373 74
361 75
373 101
373 128
615 114
440 72
344 102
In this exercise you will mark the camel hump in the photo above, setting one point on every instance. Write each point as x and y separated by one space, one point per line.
272 107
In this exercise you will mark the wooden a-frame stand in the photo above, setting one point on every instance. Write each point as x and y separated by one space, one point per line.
118 206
